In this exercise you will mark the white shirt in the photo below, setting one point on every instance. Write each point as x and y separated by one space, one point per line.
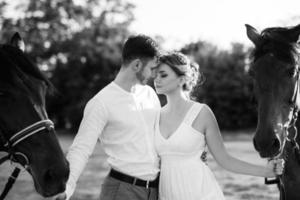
124 123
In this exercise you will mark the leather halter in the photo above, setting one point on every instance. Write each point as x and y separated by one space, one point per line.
13 141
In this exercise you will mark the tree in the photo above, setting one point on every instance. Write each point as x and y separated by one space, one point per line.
78 45
227 89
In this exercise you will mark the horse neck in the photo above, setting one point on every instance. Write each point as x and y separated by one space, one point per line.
298 129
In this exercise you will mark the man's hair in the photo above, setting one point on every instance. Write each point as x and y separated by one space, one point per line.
139 46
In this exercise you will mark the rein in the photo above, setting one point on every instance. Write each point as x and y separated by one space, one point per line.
11 143
288 139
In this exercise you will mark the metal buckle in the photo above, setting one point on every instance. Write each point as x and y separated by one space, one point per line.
147 184
134 181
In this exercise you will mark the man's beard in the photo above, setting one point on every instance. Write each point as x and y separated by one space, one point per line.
141 78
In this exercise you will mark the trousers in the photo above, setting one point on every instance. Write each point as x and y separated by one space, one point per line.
113 189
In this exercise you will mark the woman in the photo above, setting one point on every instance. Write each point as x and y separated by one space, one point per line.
183 129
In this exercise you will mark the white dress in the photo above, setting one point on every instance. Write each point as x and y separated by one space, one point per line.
183 174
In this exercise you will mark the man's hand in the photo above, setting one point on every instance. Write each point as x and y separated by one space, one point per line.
61 196
204 157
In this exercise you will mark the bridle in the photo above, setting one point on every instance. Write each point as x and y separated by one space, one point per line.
12 142
288 138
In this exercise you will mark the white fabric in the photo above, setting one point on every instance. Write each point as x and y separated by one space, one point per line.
183 175
124 123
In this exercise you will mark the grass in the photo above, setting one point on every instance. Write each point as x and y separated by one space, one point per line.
235 186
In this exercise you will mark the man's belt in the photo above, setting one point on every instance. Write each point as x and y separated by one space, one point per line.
132 180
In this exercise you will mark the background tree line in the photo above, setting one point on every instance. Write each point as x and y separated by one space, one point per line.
79 47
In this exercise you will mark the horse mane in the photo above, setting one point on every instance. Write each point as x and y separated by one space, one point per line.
274 41
15 62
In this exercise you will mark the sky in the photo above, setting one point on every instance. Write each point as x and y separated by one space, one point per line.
220 22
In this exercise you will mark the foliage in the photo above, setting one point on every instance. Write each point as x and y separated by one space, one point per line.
227 89
78 45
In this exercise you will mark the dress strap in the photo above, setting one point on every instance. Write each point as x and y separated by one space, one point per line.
195 110
157 118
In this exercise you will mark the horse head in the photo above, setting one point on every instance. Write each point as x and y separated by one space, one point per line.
26 133
276 76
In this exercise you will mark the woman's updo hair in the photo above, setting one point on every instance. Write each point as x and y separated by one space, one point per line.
182 66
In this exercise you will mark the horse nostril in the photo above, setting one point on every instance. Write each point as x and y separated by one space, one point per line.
49 175
58 173
268 147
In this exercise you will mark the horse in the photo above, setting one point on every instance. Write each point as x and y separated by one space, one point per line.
26 134
275 72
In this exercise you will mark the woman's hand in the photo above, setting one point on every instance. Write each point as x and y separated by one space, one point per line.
275 167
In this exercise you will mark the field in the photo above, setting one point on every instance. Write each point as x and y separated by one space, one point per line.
235 186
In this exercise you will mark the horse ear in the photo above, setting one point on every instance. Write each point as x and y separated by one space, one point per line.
253 35
17 41
294 33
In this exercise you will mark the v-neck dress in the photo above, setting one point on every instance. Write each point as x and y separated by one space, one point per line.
183 175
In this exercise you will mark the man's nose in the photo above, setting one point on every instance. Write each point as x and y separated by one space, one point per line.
153 74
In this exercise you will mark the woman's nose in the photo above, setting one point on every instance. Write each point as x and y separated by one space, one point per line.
156 81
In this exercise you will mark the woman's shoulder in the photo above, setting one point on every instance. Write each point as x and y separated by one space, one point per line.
204 118
205 112
201 106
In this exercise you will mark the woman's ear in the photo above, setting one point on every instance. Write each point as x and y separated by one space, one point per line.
182 81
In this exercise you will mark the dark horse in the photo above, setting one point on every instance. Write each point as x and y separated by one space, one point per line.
26 133
275 71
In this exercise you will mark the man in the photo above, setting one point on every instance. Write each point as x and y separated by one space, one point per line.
122 117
